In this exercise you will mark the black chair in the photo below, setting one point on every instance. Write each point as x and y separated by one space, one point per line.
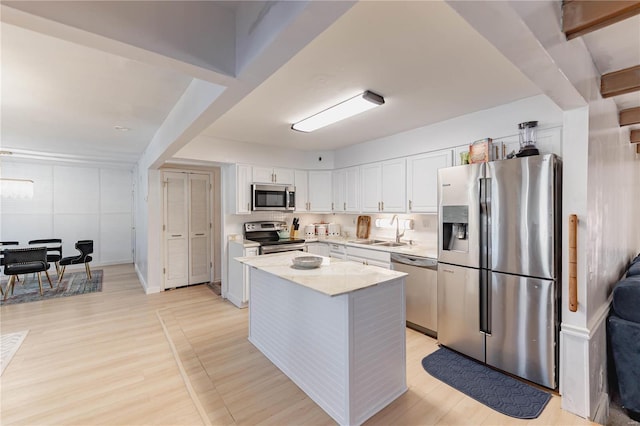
25 261
5 243
85 247
54 251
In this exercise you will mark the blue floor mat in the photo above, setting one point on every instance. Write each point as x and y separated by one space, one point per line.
495 390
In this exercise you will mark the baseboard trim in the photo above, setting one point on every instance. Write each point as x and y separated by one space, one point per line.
581 352
143 283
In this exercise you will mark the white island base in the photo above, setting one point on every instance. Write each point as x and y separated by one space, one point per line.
345 351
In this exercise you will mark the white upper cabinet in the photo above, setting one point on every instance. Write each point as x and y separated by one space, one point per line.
273 175
346 190
384 187
422 180
320 191
301 183
242 175
371 178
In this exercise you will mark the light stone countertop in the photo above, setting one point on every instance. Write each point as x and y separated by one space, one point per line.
245 243
332 278
419 249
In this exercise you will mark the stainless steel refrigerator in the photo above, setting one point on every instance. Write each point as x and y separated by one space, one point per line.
498 264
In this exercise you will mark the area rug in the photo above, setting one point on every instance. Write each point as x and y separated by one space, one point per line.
9 344
72 284
495 390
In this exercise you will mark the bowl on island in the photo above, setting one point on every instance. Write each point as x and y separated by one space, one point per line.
306 262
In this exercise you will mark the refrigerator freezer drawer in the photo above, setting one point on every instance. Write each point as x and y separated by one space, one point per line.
523 327
459 310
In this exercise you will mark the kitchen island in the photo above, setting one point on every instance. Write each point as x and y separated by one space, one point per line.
337 331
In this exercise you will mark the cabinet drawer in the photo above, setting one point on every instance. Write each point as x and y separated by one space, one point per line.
382 256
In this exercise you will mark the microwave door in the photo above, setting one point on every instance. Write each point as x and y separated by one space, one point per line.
271 197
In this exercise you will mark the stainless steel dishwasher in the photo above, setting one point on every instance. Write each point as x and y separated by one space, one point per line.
421 291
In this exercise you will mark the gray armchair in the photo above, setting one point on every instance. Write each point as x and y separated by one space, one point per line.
624 338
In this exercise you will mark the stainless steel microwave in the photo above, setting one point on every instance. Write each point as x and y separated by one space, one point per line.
273 197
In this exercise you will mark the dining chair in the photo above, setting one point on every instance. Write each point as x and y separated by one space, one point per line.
85 247
5 243
54 250
25 261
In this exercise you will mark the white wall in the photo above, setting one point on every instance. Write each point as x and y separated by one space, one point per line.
613 234
72 202
205 148
493 123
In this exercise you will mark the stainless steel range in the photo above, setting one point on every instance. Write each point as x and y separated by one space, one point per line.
266 233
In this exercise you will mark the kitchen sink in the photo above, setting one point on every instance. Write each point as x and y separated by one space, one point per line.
390 244
367 242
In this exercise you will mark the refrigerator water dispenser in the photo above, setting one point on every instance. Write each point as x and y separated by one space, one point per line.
455 221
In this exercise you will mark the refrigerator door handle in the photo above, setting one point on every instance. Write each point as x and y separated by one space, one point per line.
485 302
487 223
484 211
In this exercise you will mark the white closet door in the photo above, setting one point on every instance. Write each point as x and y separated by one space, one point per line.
176 229
199 229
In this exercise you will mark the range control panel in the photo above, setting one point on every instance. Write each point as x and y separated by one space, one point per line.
263 226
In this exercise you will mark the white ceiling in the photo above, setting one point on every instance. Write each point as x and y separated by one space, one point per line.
60 97
422 57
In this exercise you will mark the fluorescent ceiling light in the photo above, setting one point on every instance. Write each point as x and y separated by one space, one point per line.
353 106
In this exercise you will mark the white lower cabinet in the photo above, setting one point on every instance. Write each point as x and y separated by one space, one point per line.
321 249
337 251
238 285
369 257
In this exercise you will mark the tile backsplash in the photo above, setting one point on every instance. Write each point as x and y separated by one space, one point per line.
425 226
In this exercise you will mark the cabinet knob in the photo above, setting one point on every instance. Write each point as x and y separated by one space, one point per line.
382 204
345 207
332 207
410 205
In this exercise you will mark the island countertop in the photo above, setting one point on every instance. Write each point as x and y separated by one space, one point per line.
332 278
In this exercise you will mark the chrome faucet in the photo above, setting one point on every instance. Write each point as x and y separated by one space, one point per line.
398 234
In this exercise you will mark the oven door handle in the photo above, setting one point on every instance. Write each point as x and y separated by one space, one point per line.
282 248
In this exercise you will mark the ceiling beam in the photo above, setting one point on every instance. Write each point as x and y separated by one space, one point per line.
580 17
620 82
629 116
635 136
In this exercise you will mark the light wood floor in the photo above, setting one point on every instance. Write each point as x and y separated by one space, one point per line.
108 358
